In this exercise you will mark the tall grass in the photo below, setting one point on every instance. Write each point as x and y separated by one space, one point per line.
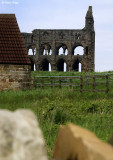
59 106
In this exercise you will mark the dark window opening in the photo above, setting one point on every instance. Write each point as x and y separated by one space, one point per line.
61 65
45 65
32 65
77 66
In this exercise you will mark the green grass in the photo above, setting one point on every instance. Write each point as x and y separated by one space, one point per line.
72 73
46 80
59 106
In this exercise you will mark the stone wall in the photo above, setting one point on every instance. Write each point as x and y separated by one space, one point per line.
14 76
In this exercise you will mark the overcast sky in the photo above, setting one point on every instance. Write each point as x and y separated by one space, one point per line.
68 14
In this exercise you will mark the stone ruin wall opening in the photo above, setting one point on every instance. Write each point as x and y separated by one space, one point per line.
63 50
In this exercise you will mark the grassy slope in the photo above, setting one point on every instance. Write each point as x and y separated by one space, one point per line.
53 107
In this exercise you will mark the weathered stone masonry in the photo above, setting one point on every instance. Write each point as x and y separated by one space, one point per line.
45 45
15 65
14 76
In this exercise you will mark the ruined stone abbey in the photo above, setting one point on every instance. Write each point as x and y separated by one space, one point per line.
54 48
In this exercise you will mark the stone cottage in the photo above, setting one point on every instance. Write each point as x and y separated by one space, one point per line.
14 61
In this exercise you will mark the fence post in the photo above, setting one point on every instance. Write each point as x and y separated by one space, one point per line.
94 84
51 80
34 83
60 83
107 84
87 80
42 83
81 84
70 84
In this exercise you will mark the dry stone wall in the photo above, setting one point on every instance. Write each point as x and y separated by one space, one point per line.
14 76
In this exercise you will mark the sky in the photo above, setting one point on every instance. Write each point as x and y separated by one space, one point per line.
68 14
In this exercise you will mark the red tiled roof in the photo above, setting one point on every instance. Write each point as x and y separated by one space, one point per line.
12 47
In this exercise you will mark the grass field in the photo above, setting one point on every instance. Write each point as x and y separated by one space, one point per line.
59 106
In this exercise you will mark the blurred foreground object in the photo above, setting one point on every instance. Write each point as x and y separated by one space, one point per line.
111 140
76 143
20 136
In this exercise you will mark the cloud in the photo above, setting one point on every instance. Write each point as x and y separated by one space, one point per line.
103 16
9 2
103 2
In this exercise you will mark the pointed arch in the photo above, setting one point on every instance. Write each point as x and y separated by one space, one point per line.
30 52
77 66
78 50
62 49
66 52
46 49
61 65
45 65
